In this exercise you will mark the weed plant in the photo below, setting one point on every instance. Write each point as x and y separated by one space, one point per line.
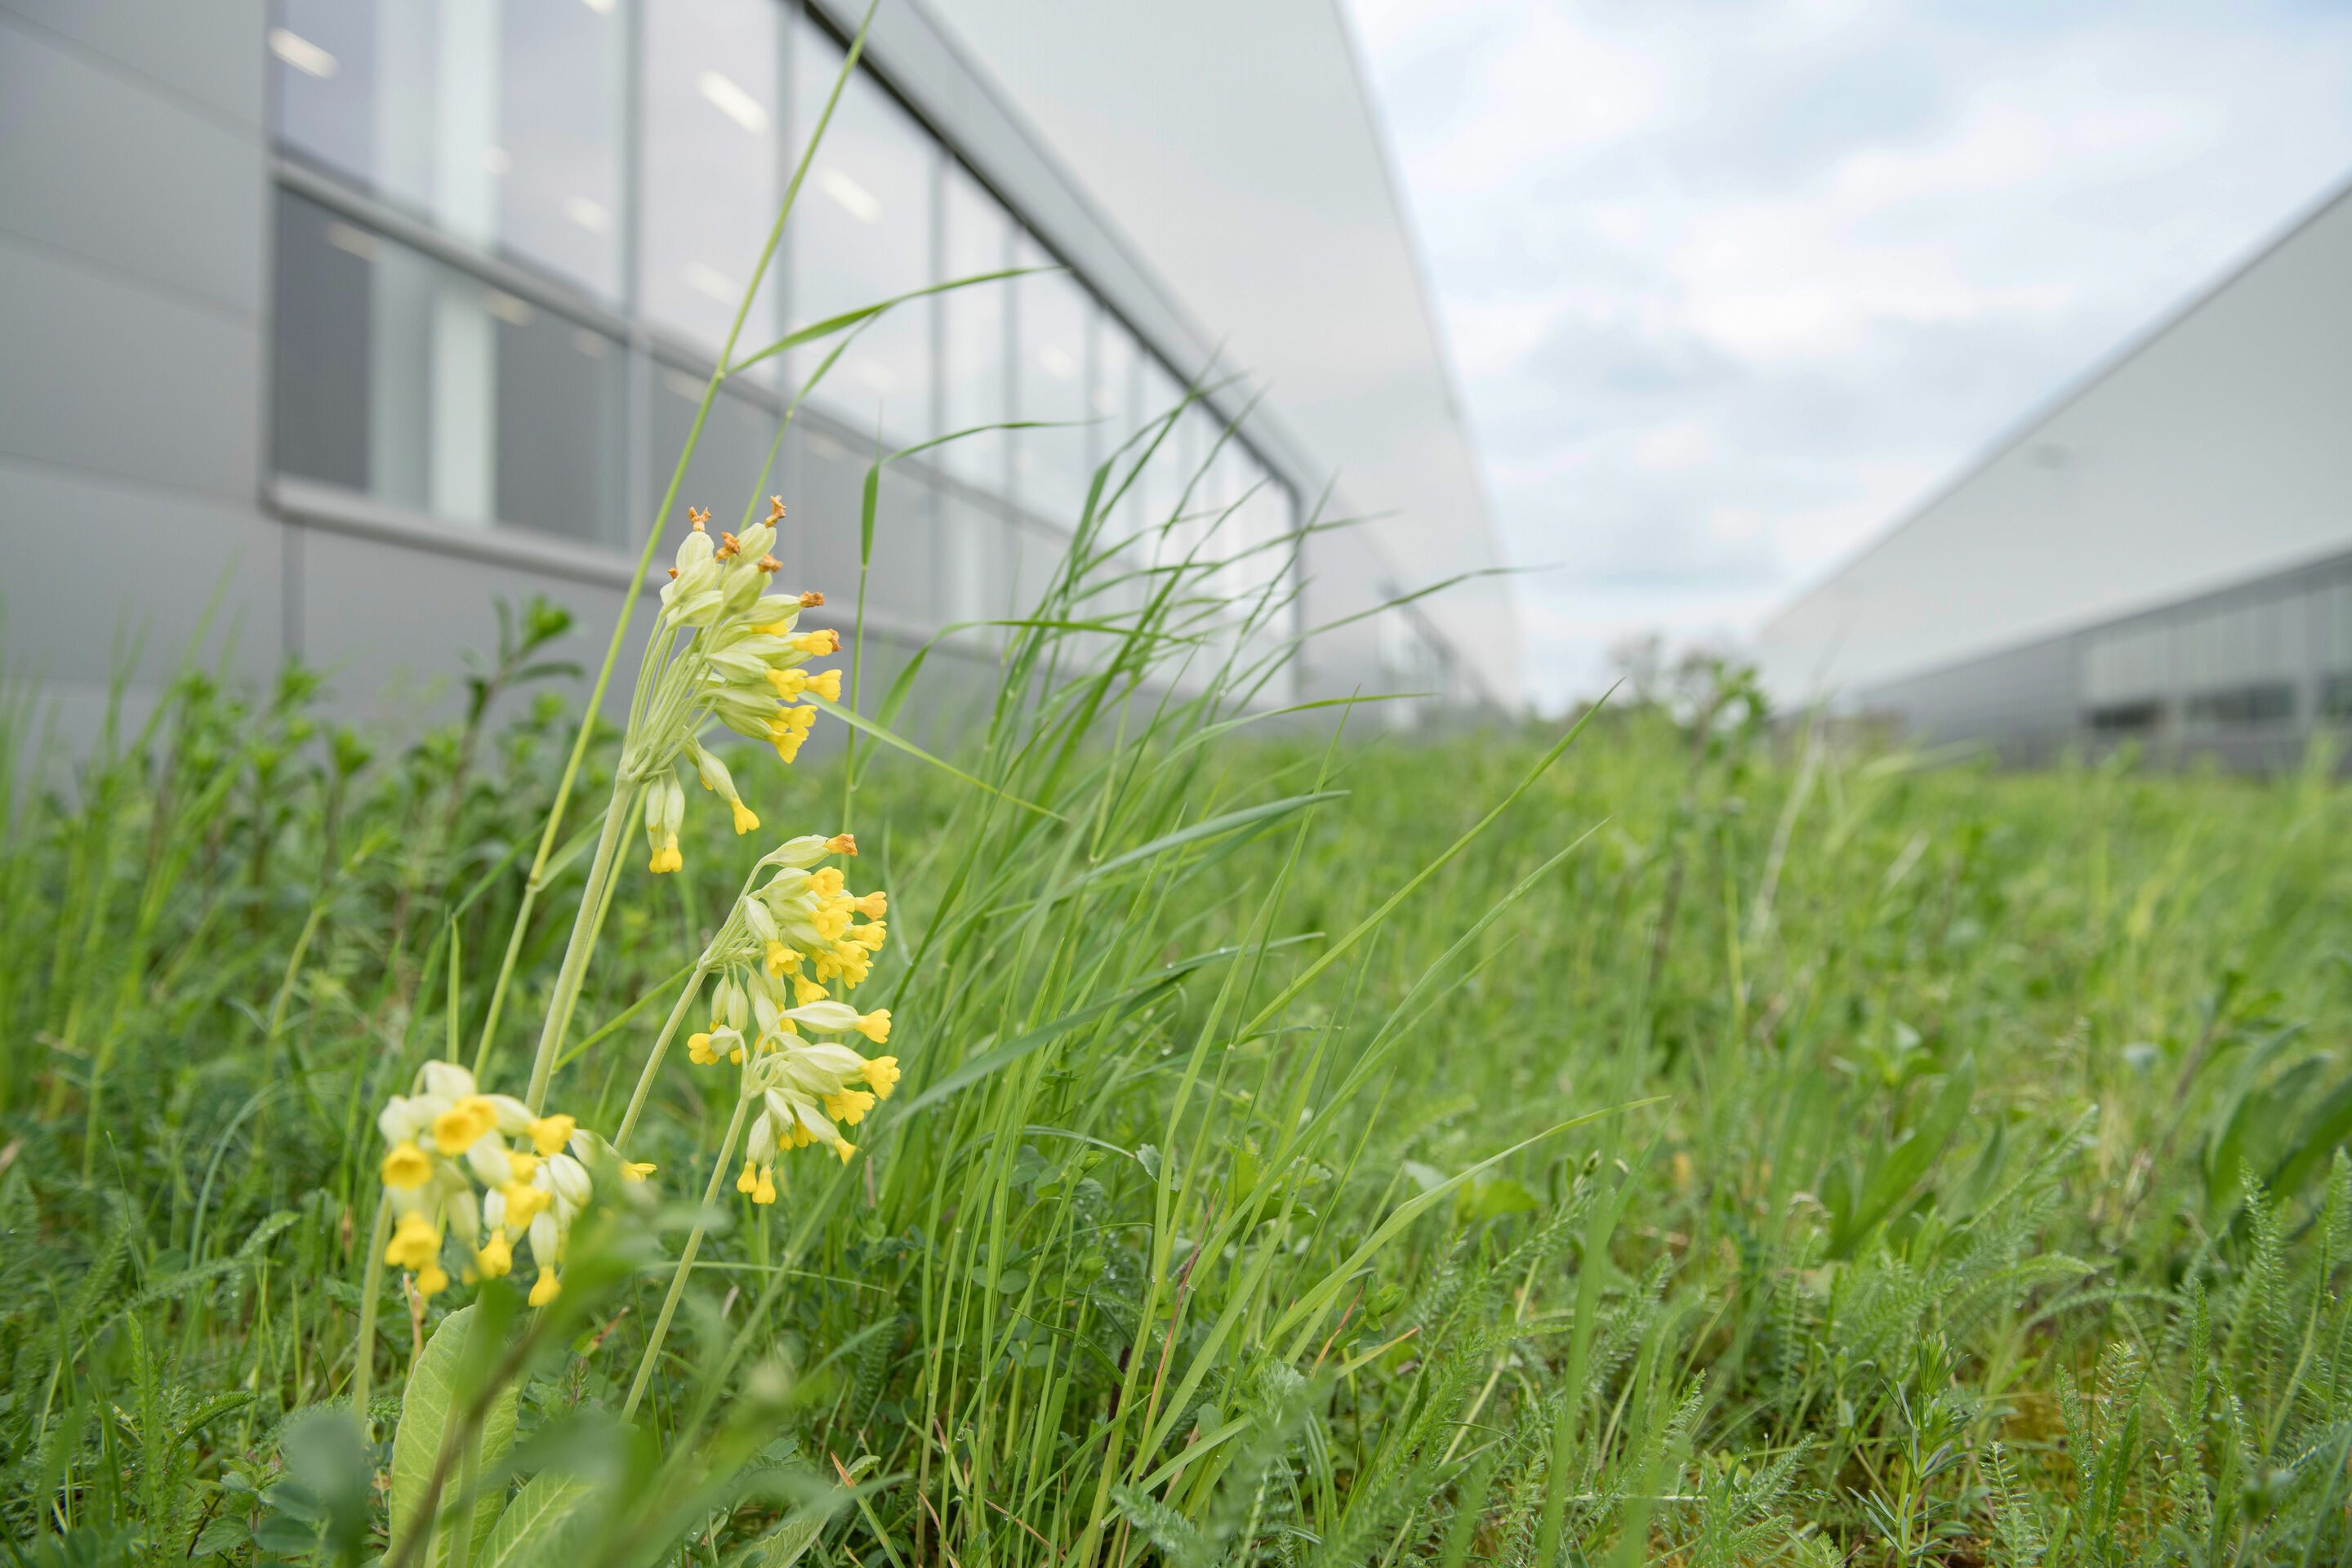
1317 1145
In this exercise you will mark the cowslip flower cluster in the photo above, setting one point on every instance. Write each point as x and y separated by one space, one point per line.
446 1137
782 946
741 666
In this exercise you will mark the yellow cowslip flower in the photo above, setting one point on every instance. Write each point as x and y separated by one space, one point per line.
406 1166
446 1137
850 1105
716 778
871 936
523 1202
875 1026
791 683
882 1075
463 1124
789 729
547 1289
806 991
639 1171
873 906
779 958
415 1243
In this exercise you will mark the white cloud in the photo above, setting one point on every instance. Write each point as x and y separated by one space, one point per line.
1730 286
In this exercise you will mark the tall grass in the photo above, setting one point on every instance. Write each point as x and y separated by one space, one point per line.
1954 1179
1647 1139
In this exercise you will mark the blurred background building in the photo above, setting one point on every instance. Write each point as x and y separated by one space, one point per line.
353 314
2164 554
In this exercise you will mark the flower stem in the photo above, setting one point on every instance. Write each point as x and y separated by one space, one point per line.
584 940
364 1365
654 1058
685 1261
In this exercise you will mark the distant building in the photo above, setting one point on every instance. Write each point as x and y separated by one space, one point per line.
367 310
2165 554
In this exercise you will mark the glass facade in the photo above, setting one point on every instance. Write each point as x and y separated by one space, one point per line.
596 180
2272 656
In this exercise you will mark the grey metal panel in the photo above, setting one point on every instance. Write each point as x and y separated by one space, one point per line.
87 562
104 167
392 625
107 377
209 50
2022 701
2211 449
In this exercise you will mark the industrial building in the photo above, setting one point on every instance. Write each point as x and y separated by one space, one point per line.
2162 556
336 319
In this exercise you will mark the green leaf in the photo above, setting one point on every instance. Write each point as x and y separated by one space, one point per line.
858 720
1231 822
282 1535
434 1397
1898 1170
221 1536
541 1525
1493 1200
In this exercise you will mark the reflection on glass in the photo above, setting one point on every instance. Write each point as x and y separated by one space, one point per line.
709 175
725 476
862 233
499 120
1161 482
973 382
1051 313
429 389
1112 402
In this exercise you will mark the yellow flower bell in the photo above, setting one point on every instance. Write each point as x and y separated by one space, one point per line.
415 1243
407 1168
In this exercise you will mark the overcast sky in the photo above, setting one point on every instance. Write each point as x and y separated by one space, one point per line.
1732 286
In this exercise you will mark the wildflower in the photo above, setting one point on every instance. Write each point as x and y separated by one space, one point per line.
406 1166
791 683
720 782
665 810
415 1243
448 1137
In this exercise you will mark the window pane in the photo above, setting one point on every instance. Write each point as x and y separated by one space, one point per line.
1112 399
430 389
725 476
974 379
498 122
709 176
1049 466
861 233
563 69
1162 480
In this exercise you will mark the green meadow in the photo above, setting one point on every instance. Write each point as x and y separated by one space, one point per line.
1684 1138
1161 1127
